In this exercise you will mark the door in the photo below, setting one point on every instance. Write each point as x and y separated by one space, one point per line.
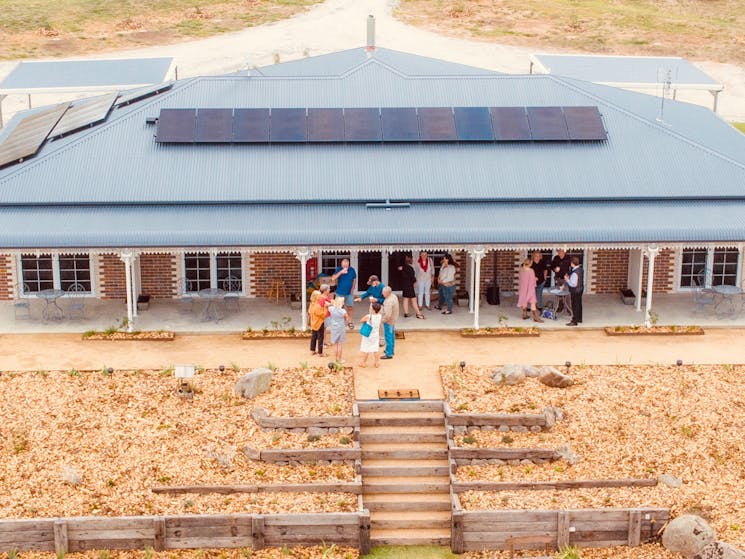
395 276
368 264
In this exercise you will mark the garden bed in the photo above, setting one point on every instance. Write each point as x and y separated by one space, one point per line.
501 332
147 335
654 330
267 334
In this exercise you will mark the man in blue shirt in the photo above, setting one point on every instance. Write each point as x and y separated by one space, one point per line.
346 282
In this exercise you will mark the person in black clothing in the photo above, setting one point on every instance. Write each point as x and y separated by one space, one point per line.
539 268
408 293
576 282
560 265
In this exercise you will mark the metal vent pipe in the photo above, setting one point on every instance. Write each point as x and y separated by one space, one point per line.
370 32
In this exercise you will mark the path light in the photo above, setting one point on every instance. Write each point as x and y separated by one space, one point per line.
331 366
679 362
462 366
221 368
110 370
568 364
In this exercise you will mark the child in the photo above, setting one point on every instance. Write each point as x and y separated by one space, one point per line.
371 344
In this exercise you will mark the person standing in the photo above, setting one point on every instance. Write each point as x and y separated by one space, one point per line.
338 319
317 315
424 270
446 285
346 281
390 315
539 269
526 291
374 291
576 282
370 344
560 264
408 293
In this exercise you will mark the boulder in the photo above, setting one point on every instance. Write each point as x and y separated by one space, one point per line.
688 535
551 376
259 413
565 452
251 453
670 481
510 374
254 383
720 550
317 431
531 372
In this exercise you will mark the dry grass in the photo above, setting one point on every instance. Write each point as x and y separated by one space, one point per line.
126 433
38 28
692 29
624 421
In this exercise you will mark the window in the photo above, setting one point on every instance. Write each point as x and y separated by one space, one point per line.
223 270
709 267
330 261
548 256
69 272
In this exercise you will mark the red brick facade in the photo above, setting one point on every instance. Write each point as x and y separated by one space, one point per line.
6 278
267 267
158 275
507 267
664 272
112 283
610 271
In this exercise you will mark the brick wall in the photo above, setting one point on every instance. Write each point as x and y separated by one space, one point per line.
6 278
158 275
664 271
111 279
610 270
265 267
507 264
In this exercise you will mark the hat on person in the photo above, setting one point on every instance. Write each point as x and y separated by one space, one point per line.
372 279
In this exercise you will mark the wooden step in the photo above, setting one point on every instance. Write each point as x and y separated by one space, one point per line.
407 520
401 406
376 471
407 502
410 463
403 437
402 421
425 454
421 536
403 484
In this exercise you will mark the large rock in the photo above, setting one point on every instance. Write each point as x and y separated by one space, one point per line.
670 481
688 535
566 453
259 413
510 374
720 550
551 376
254 383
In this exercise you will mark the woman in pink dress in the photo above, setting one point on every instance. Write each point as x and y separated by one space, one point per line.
526 291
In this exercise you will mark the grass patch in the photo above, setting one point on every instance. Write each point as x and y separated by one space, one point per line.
410 552
740 126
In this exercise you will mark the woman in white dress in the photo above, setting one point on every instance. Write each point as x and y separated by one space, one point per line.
371 344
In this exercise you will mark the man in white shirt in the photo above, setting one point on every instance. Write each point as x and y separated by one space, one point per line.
576 282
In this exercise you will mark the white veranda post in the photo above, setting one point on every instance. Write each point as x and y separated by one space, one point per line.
477 254
302 254
472 282
126 258
652 252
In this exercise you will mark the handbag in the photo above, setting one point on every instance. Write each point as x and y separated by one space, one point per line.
366 329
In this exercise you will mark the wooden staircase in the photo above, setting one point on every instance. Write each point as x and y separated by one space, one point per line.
405 477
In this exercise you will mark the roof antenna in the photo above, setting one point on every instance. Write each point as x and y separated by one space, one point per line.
370 33
667 80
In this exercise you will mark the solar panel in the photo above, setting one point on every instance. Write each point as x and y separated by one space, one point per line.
28 135
510 124
325 125
400 125
127 97
584 123
362 125
288 125
436 124
85 112
176 126
547 123
473 124
251 125
214 125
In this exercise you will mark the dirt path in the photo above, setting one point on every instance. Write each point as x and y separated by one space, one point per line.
340 24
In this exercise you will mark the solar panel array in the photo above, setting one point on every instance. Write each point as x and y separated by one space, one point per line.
387 124
132 95
28 135
86 112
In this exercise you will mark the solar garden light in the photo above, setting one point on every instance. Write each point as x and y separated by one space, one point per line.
221 368
332 365
110 370
568 364
679 362
462 366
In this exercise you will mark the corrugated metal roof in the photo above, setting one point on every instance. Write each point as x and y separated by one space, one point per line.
543 224
636 70
85 74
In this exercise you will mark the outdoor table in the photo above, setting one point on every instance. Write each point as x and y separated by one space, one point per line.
51 310
563 304
726 297
213 296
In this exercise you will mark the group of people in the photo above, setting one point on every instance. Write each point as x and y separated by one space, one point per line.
568 275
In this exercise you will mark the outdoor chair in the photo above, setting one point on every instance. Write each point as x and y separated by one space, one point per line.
232 287
186 295
22 307
76 307
703 298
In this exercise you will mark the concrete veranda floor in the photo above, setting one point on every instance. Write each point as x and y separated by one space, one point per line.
414 366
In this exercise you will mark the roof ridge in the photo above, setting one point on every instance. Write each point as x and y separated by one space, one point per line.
656 125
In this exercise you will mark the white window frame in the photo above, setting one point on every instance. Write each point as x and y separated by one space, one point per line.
709 266
214 282
56 276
